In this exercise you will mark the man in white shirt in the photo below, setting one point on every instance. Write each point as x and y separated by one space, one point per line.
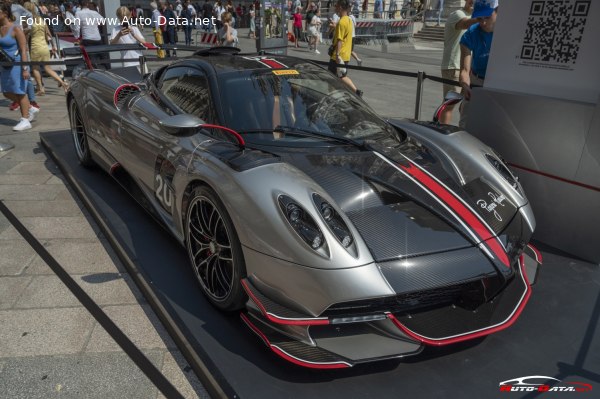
88 27
456 24
87 30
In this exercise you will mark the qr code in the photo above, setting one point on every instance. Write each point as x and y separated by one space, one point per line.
554 30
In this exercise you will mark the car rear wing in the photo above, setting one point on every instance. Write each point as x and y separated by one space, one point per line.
90 54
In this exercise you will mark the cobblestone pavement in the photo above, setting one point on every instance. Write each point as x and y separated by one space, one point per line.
50 345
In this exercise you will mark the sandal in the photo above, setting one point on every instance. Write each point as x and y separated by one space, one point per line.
40 92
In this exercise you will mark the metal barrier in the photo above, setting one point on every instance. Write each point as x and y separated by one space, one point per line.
76 52
375 30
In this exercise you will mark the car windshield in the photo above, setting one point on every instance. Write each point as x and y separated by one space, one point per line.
302 100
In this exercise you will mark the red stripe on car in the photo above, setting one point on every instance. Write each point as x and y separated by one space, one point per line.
461 210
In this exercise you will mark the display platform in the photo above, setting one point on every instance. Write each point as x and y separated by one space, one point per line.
557 335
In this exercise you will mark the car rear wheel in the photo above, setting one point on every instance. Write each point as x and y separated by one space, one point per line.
214 250
80 139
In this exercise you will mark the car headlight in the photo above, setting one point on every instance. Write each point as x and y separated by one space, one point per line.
302 223
336 224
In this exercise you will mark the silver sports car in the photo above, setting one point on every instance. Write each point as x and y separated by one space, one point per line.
341 236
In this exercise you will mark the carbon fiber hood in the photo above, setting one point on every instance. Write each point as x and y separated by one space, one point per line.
388 196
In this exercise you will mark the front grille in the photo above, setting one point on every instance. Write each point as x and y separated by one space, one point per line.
465 294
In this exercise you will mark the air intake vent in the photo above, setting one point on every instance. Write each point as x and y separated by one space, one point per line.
123 92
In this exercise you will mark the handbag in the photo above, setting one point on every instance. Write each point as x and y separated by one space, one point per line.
4 57
331 50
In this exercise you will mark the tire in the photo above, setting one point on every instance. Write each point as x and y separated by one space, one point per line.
80 139
214 250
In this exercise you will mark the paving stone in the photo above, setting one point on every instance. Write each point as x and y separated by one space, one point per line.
27 153
10 289
89 376
138 322
56 179
34 332
78 257
23 179
15 255
103 288
53 227
31 168
36 208
177 370
27 192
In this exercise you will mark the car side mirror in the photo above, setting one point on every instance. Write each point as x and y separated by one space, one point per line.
181 121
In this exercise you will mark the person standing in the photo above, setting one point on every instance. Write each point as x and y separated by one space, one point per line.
87 26
227 34
475 46
456 24
13 80
188 13
315 31
127 34
168 26
297 16
342 45
252 14
39 37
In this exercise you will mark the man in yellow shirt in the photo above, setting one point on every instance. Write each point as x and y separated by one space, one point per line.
342 45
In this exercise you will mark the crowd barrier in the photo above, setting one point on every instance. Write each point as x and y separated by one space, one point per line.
82 57
374 30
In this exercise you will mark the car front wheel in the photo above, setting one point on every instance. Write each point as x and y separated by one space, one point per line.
214 250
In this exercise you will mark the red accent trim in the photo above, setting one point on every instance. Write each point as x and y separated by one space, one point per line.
239 138
114 167
86 57
537 253
287 357
455 204
277 320
468 336
274 64
539 172
442 108
150 46
119 90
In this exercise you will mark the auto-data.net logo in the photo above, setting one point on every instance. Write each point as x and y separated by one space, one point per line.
540 383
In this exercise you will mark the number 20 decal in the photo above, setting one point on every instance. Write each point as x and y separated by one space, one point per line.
163 192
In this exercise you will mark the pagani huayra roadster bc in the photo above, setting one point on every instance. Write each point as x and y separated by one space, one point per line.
342 237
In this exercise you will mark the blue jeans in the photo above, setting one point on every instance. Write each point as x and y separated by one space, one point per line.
188 35
30 91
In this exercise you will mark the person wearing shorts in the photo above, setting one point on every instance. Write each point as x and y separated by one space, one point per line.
342 46
456 24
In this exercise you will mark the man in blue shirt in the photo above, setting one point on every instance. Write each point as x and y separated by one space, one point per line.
475 47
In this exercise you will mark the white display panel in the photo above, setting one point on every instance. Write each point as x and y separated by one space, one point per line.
547 47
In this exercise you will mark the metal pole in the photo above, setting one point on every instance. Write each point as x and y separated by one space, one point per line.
143 69
419 99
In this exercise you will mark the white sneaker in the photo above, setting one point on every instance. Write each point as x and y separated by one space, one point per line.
22 125
32 113
317 51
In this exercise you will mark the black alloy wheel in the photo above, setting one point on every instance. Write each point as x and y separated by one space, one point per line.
80 139
214 250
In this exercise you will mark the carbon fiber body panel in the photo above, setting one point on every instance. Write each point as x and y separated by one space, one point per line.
437 270
454 319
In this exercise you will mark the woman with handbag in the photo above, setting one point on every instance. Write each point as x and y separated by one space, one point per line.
39 38
13 79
